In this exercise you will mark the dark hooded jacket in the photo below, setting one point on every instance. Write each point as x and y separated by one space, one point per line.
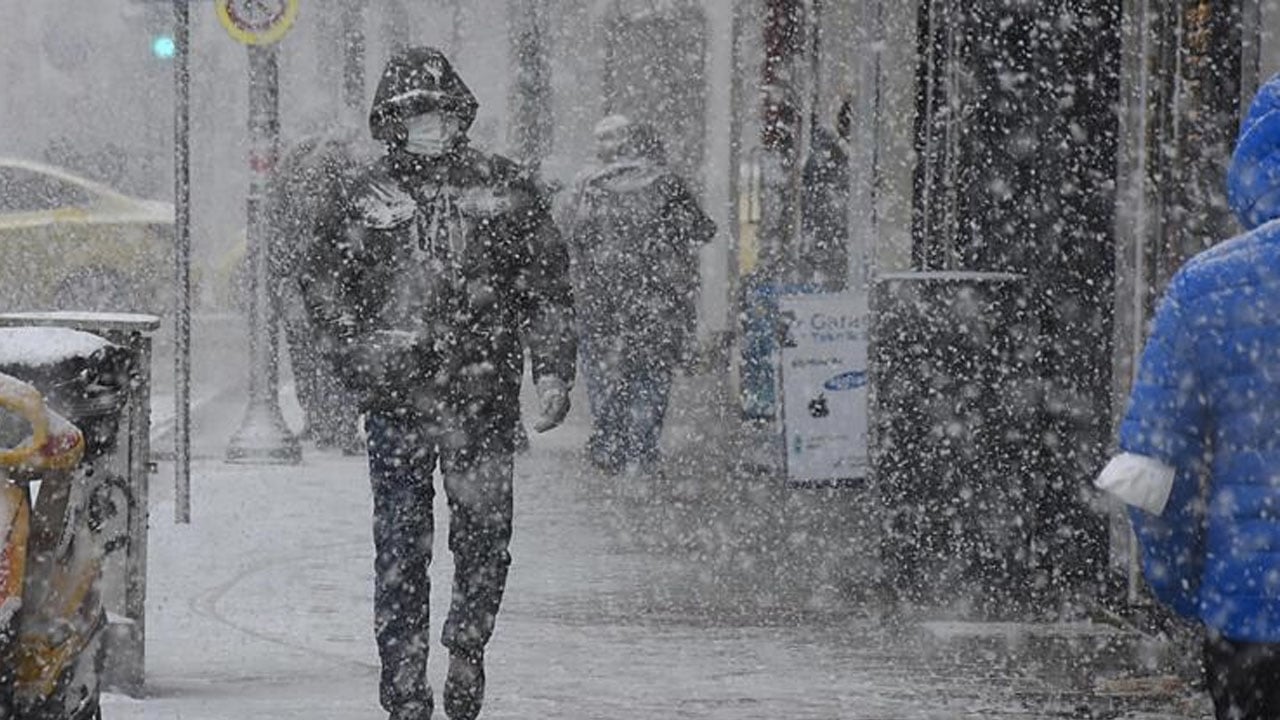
634 232
824 256
442 267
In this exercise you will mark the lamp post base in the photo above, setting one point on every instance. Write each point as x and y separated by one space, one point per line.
264 439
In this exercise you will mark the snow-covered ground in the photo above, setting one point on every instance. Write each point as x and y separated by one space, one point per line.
623 603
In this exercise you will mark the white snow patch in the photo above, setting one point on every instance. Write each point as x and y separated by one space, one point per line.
35 346
78 319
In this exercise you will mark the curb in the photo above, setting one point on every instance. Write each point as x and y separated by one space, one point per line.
1122 668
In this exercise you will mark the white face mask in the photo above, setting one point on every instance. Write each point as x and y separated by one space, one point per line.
430 135
609 148
611 136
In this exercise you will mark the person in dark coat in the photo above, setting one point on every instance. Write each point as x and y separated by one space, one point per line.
306 194
634 232
448 264
1199 457
824 225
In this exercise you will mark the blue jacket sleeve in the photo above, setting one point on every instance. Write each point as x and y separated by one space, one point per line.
1166 421
1172 555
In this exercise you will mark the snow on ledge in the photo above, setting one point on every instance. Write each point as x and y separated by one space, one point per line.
38 346
81 320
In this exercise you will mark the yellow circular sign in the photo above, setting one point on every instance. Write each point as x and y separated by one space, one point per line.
257 22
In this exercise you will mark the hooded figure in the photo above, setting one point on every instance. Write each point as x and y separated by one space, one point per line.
824 202
1200 442
445 265
634 232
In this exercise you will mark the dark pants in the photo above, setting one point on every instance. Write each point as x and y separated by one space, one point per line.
627 388
1243 679
403 450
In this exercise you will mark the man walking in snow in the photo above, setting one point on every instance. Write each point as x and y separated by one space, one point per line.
634 232
1200 443
448 263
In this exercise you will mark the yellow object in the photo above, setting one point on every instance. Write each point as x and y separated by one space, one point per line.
257 22
61 451
58 621
41 659
749 201
13 547
55 444
26 402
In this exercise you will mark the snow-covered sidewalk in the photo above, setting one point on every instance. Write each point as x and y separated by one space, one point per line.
626 601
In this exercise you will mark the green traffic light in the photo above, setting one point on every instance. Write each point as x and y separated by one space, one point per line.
163 47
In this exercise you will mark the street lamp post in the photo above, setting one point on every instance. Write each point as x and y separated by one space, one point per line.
263 437
353 52
182 260
531 91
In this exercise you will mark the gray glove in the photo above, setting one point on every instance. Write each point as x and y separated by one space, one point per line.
553 397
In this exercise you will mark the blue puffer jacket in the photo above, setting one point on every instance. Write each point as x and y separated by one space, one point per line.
1207 403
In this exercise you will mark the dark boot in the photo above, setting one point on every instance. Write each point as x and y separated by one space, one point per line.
464 685
411 711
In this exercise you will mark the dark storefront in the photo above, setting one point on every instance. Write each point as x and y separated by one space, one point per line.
1034 120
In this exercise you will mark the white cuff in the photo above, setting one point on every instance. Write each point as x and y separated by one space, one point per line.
1138 480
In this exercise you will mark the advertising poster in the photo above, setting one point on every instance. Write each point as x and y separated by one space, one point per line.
824 388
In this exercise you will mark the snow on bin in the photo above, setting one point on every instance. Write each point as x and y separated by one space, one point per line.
950 413
94 369
83 377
